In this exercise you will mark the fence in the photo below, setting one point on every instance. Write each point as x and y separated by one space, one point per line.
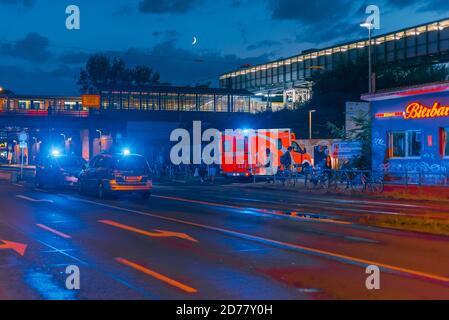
419 178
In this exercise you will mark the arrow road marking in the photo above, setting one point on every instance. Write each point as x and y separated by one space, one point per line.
157 234
33 200
20 248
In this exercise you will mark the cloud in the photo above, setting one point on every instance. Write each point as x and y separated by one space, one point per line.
419 5
183 67
33 48
125 11
59 80
168 35
73 58
168 6
313 12
431 6
25 3
263 45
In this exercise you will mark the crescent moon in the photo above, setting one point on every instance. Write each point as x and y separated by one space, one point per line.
194 41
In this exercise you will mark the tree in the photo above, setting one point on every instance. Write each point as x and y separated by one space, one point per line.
119 74
100 71
360 133
143 75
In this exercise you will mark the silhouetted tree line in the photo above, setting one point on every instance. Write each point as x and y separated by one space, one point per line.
100 70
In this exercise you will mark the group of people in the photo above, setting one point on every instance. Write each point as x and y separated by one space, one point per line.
288 164
206 173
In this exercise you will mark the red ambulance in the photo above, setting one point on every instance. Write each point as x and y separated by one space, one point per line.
243 152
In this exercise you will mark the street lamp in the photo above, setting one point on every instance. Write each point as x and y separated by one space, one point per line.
310 123
370 27
101 137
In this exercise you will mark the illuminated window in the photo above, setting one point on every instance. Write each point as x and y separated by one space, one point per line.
406 144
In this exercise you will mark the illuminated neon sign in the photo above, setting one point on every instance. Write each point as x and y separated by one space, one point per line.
389 114
416 110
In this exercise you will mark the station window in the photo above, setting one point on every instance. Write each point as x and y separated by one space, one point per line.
406 144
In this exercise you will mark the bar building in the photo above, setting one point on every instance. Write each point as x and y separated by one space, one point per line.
410 133
289 80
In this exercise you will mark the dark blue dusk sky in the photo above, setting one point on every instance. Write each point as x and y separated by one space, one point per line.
39 55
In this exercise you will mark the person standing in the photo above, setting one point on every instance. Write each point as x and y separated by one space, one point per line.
212 173
9 157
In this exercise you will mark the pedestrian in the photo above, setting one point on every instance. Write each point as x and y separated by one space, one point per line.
202 173
212 173
287 160
269 166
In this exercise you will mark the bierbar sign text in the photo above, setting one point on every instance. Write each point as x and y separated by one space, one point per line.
416 110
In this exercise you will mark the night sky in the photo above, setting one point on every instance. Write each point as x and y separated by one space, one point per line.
39 55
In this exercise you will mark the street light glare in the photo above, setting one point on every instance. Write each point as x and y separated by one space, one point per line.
367 25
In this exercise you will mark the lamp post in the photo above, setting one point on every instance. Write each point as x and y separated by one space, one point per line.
370 27
310 123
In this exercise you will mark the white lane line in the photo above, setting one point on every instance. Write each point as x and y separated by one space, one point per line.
299 216
18 185
289 246
63 235
34 200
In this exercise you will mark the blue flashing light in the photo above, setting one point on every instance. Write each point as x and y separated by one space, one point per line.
126 152
55 152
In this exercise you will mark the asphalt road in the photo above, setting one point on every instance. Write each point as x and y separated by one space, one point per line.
213 242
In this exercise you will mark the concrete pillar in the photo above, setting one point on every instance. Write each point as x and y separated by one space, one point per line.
86 146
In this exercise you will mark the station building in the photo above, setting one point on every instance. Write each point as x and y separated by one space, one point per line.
287 82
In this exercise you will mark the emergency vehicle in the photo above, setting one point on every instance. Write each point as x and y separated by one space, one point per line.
243 152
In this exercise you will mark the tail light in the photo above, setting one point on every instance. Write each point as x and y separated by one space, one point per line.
116 175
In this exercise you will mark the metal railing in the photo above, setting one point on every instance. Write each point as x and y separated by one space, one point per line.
418 178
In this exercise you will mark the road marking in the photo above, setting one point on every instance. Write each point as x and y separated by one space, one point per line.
157 275
157 234
296 216
20 248
289 246
33 200
63 235
198 202
18 185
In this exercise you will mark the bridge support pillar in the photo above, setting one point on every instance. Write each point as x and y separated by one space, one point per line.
86 145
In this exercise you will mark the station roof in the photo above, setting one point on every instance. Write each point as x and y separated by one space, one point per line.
341 47
177 89
40 96
402 92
